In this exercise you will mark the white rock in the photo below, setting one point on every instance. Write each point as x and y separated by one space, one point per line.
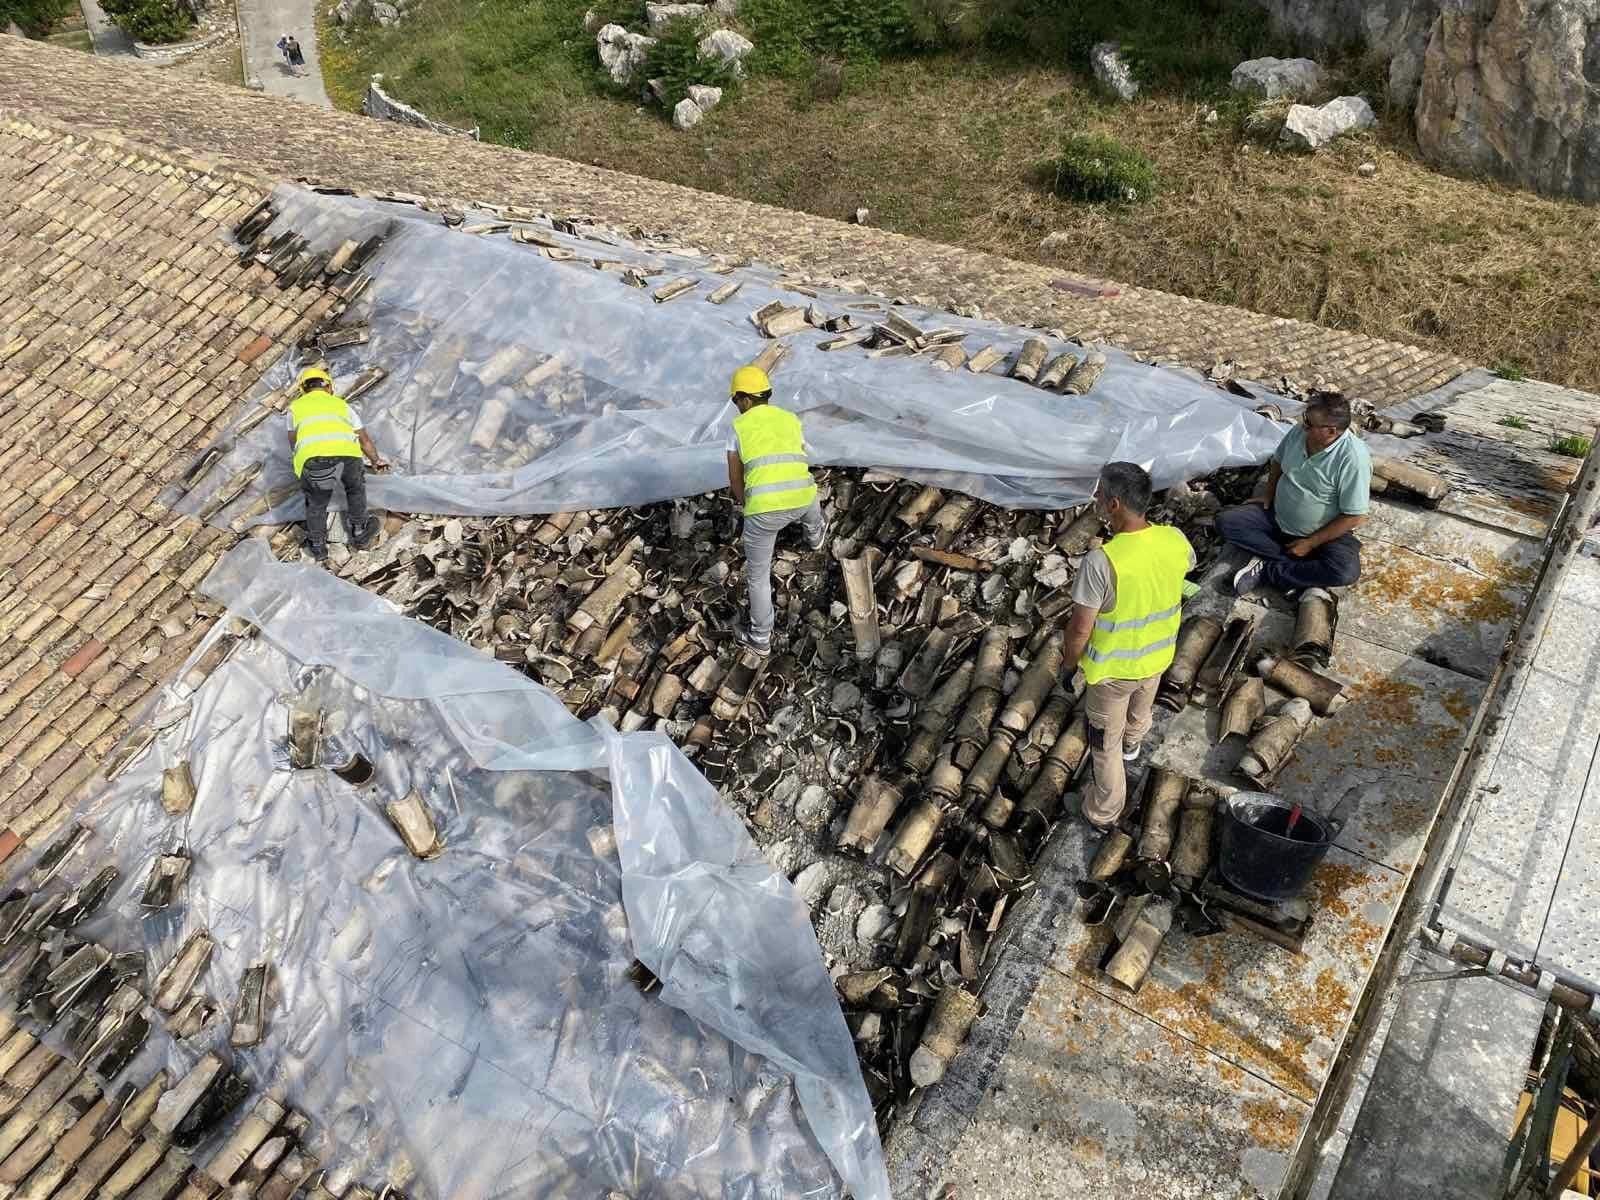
1308 128
871 1027
875 922
1113 71
1020 550
1367 170
1279 78
659 16
1211 117
1056 242
729 46
812 884
863 215
1053 571
622 53
814 808
384 14
706 97
687 114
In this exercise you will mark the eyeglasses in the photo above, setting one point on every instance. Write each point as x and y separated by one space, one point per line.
1319 425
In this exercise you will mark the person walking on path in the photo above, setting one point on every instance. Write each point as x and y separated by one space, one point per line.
770 478
297 56
1300 534
329 446
1127 602
283 49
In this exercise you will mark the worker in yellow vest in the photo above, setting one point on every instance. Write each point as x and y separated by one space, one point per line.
328 443
770 479
1127 602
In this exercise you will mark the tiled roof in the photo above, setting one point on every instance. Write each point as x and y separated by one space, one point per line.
274 138
127 331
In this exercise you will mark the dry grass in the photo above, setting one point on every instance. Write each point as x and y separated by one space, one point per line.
948 148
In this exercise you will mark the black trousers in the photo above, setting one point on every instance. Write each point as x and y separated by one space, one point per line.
317 481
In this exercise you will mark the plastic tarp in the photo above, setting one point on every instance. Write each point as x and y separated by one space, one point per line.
467 1021
519 383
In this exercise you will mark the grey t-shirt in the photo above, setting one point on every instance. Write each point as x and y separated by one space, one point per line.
1096 583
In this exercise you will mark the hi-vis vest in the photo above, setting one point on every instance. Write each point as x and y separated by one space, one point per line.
1136 639
322 428
772 449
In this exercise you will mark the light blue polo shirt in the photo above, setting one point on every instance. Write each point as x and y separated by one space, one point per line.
1313 490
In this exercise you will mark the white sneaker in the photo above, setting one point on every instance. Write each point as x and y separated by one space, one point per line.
1248 577
1132 755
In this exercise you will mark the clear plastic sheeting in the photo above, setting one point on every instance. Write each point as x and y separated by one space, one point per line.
464 1025
518 383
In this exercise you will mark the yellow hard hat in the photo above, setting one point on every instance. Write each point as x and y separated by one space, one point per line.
750 381
316 371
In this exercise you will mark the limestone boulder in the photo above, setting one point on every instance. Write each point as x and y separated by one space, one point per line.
1511 89
622 53
384 14
1279 78
1311 128
687 114
1113 72
728 46
659 16
706 98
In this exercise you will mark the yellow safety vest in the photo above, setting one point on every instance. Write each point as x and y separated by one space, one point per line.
1135 640
772 449
322 428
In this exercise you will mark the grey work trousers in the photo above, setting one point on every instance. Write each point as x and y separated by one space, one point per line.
1119 712
760 538
318 479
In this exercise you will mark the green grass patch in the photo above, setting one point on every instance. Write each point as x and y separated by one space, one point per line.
1512 421
1573 445
1100 170
1511 369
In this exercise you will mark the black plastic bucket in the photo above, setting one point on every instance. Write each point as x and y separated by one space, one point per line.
1256 857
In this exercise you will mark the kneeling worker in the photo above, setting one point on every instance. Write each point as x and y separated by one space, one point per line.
1127 603
329 444
769 476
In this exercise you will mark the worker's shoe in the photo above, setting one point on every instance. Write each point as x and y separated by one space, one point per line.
1131 753
368 534
820 540
747 639
319 554
1248 577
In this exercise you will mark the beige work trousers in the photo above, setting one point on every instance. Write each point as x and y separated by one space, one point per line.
1118 711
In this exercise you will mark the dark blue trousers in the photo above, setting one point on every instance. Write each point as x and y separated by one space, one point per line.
1333 564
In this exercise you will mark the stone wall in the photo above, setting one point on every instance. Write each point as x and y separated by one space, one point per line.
1504 88
378 103
173 51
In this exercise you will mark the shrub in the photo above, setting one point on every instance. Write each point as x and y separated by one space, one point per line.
1099 169
675 60
36 18
154 21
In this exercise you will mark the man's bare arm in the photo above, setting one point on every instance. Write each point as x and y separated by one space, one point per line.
370 450
736 478
1080 624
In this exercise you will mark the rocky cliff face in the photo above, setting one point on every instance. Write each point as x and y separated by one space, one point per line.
1508 88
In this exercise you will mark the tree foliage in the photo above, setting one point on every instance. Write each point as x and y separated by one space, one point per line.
153 21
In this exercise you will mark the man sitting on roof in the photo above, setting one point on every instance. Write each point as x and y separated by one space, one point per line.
1300 534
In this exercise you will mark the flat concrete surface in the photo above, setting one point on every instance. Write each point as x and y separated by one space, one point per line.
1443 1097
1528 881
264 22
108 37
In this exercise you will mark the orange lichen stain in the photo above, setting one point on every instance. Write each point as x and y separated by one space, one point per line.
1496 567
1387 702
1458 706
1271 1127
1401 578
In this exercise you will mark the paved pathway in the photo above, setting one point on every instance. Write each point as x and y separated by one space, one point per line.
108 37
263 23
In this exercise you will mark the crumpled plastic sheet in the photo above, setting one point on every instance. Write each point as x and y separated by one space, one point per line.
635 408
468 1020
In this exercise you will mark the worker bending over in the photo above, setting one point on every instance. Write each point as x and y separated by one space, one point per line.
1300 533
328 443
769 477
1127 603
